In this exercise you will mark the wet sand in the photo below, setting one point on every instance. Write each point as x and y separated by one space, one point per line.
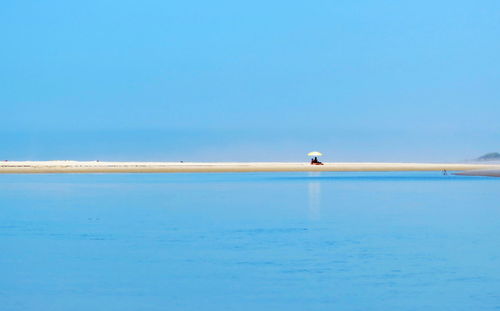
489 173
33 167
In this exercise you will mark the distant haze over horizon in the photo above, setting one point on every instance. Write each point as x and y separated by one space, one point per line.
226 146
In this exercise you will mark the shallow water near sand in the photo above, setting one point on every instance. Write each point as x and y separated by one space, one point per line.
249 241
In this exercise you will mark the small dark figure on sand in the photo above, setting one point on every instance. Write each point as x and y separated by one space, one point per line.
315 161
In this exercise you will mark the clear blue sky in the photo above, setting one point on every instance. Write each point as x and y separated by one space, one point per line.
234 80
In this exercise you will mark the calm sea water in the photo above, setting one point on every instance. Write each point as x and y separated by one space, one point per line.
252 241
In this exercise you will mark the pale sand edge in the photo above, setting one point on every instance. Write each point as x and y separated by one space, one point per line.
33 167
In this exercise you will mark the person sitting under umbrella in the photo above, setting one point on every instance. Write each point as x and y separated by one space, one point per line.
314 161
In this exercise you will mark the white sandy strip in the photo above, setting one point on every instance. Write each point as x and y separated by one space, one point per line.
215 167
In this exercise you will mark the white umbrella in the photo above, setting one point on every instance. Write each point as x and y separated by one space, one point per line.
314 154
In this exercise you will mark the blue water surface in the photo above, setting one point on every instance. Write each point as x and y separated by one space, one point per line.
249 241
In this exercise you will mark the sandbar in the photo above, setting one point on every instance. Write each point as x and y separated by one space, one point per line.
44 167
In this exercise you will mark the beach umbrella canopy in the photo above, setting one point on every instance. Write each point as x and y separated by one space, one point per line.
314 154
